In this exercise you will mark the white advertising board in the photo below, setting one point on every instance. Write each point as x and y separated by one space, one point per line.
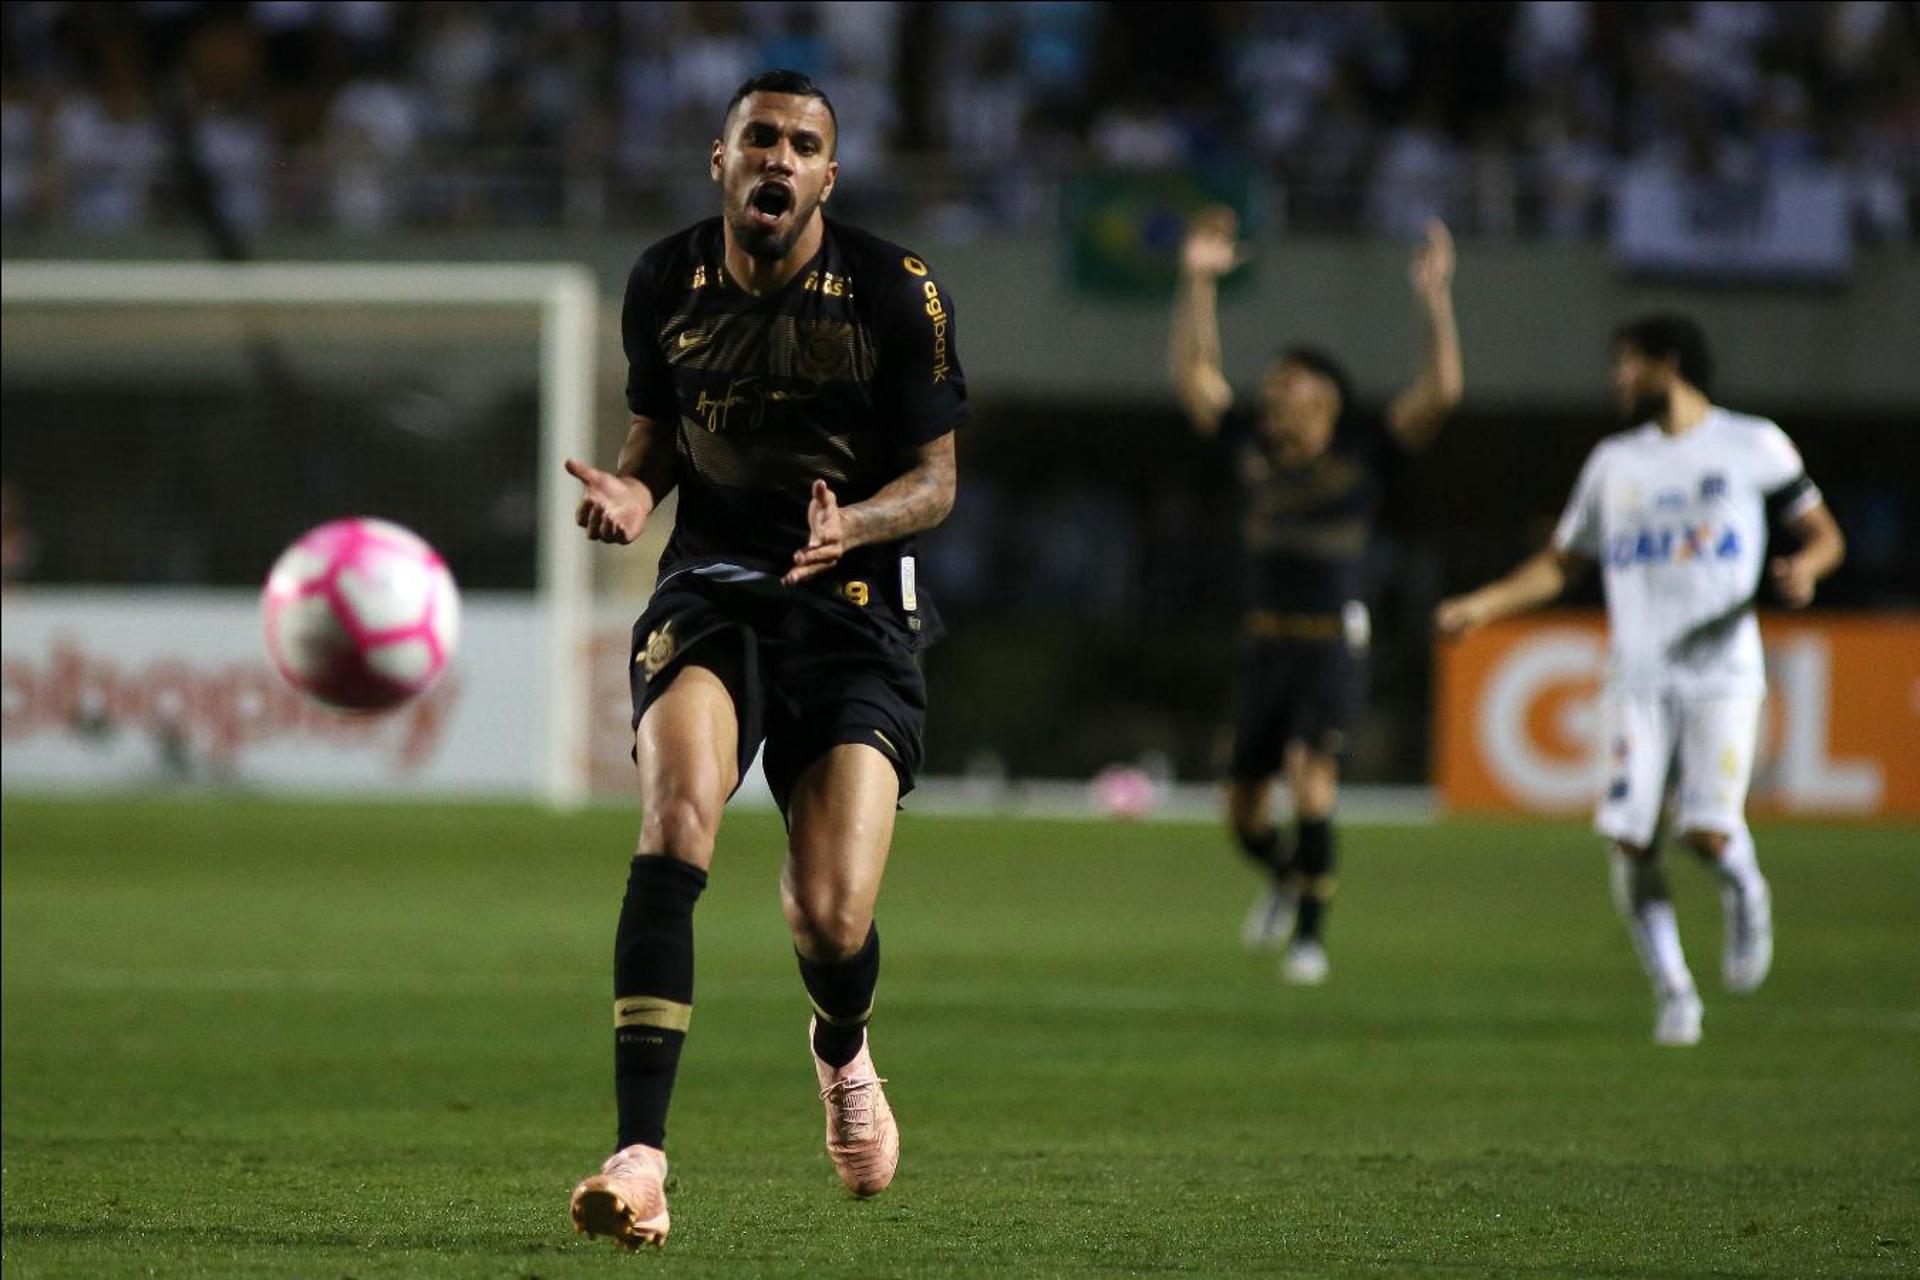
1789 226
129 688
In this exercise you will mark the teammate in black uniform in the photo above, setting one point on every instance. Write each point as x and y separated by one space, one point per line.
798 381
1310 474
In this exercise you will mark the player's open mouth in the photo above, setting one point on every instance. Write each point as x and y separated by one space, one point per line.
769 202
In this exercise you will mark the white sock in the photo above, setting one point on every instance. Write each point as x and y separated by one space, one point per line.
1652 926
1737 866
1657 936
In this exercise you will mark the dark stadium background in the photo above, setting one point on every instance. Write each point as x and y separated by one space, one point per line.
293 993
1089 568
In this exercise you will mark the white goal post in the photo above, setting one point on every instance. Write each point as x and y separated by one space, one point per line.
566 297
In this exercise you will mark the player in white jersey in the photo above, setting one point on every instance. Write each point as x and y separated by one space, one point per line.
1676 513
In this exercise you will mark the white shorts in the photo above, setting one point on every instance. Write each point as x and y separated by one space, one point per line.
1699 749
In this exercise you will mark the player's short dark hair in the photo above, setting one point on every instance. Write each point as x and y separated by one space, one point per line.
796 84
1668 335
1315 360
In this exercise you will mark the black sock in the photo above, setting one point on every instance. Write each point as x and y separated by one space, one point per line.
652 991
842 996
1313 862
1263 847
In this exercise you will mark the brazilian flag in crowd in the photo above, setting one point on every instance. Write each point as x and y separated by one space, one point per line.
1124 227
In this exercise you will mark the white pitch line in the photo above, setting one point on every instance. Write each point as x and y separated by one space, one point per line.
1068 997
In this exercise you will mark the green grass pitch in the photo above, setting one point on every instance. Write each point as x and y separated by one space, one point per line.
250 1038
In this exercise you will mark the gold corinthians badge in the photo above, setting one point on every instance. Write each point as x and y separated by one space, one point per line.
826 350
659 651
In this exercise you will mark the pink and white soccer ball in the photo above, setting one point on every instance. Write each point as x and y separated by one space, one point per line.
1125 791
361 614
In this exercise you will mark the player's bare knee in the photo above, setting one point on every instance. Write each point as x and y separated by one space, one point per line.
826 925
682 823
1317 803
1315 782
1707 845
1637 877
1247 808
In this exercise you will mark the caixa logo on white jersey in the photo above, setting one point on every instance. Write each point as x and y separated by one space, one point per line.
1673 544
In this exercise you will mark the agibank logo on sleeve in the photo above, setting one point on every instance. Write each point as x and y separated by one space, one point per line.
936 312
1672 544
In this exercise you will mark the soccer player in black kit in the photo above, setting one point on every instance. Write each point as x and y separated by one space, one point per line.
1310 473
798 381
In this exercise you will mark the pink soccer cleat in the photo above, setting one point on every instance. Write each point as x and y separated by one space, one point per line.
862 1137
626 1200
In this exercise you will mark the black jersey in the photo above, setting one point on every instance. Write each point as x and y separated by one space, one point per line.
839 375
1305 528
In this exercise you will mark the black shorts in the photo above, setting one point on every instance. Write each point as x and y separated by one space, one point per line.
1285 691
809 678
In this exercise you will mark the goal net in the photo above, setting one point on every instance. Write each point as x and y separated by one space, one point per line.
170 427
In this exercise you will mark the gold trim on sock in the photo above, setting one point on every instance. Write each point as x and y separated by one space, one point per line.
651 1011
831 1020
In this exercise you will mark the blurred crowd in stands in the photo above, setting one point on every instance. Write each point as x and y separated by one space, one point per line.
1508 118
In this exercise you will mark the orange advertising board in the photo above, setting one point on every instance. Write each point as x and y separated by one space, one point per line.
1517 720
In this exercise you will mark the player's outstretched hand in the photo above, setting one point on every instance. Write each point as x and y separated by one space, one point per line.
1793 580
613 508
1212 247
1433 261
826 536
1458 616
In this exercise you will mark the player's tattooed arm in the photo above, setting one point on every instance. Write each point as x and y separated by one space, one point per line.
1822 548
1539 580
614 505
1193 348
916 501
1418 413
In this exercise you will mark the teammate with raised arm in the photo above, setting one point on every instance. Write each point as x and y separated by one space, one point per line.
1676 511
1310 472
798 381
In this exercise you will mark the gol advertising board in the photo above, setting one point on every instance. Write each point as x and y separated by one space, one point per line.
143 688
1517 721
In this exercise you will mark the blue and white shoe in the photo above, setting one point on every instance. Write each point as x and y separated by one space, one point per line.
1747 953
1269 918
